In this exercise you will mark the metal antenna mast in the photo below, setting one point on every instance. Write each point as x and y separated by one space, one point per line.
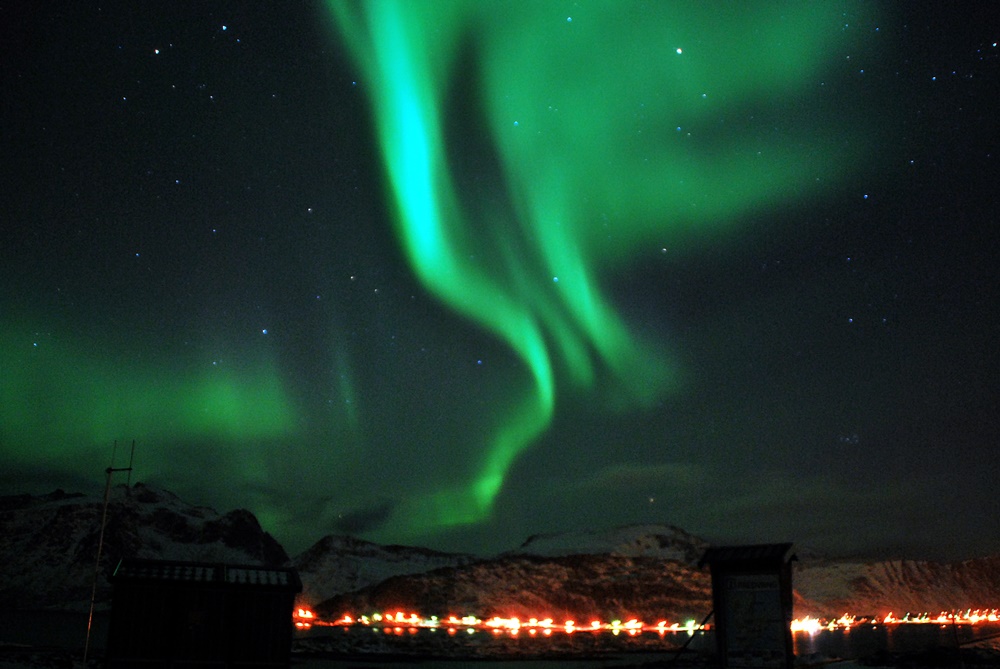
100 541
131 457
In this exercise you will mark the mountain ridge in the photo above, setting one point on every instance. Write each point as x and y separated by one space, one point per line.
48 544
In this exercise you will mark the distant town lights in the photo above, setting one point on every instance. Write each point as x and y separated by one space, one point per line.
398 621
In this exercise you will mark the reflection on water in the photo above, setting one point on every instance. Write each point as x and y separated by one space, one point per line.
865 640
68 630
452 643
857 642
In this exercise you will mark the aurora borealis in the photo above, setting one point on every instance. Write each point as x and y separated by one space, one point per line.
569 124
453 273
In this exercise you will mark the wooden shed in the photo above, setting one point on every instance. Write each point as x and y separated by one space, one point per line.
752 597
168 614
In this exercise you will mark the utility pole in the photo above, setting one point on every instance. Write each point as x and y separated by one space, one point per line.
100 541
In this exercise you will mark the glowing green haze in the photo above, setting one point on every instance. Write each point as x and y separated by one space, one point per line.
603 128
65 401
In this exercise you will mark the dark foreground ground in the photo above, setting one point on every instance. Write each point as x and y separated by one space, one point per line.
337 648
981 656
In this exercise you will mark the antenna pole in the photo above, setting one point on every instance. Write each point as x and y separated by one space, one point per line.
131 457
100 541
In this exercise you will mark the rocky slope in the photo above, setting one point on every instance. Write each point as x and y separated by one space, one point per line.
826 588
573 587
650 572
340 564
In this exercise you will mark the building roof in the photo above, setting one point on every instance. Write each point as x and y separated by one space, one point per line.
771 554
180 572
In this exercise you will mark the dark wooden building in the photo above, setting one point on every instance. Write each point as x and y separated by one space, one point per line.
188 614
752 597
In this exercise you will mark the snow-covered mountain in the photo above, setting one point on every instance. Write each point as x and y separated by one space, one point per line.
578 587
340 564
661 541
650 572
634 567
48 543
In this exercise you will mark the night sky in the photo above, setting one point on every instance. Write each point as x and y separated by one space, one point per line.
452 274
